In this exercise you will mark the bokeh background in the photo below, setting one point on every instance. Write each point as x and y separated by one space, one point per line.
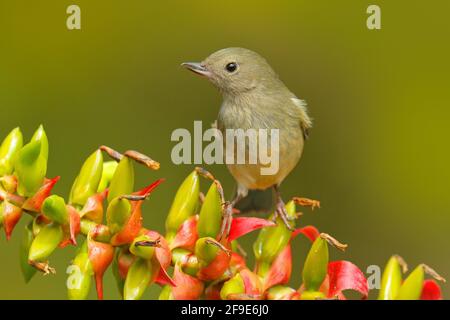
378 157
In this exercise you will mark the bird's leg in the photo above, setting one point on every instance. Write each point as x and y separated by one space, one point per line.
280 209
228 216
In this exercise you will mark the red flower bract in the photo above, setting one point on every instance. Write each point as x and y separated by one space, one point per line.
431 291
344 275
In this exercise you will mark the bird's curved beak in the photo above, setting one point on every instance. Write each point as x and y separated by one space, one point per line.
196 67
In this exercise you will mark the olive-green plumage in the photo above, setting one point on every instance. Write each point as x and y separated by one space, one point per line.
254 97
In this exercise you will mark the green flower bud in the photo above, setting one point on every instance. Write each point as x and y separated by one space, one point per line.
9 150
144 252
54 208
102 232
109 167
272 240
46 241
37 225
27 238
117 214
189 262
88 179
210 217
41 136
138 279
31 168
316 265
411 289
233 286
205 250
122 182
184 204
80 275
391 280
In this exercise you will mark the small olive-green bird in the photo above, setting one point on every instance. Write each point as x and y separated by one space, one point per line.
255 97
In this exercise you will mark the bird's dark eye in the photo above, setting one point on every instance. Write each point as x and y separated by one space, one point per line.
231 67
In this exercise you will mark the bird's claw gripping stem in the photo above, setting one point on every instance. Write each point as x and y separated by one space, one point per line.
281 212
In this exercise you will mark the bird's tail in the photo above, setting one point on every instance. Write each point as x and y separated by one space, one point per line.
260 201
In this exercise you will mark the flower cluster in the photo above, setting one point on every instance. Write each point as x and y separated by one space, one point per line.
198 257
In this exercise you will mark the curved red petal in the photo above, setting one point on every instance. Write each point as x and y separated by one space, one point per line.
243 225
148 189
186 235
74 224
431 291
101 255
131 228
310 232
93 209
164 278
252 282
34 203
11 215
280 270
344 275
215 268
188 287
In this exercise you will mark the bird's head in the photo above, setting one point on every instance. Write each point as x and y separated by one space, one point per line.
234 70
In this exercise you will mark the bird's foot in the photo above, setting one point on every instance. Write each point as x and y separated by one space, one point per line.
227 218
280 211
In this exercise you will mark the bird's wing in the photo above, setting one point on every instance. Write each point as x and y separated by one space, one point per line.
305 120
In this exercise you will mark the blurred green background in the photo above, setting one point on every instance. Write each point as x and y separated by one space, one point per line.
378 157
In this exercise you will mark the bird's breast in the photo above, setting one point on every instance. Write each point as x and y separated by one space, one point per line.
289 145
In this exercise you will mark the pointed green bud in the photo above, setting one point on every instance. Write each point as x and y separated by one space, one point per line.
272 240
79 275
138 279
411 289
88 179
27 238
122 182
184 203
190 262
102 232
9 150
391 280
144 252
117 214
234 286
46 241
205 250
31 168
210 218
41 136
54 208
316 265
109 167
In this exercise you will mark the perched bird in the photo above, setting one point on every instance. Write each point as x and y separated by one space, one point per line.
255 97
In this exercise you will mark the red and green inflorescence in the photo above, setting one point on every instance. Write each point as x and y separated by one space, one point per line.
198 257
